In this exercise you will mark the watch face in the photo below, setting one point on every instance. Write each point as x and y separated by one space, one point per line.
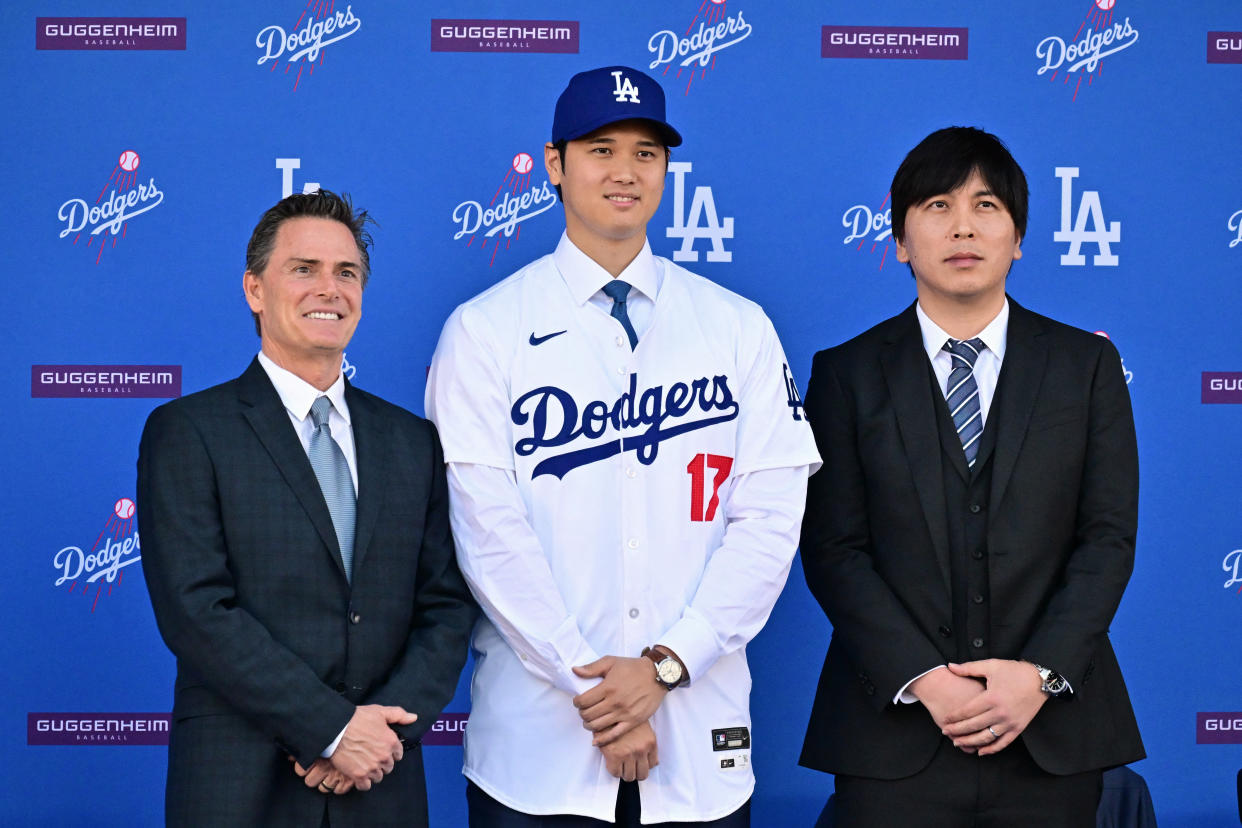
669 671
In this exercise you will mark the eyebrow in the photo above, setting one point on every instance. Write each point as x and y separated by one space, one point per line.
301 260
642 142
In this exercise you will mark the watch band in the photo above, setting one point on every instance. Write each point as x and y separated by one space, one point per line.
669 671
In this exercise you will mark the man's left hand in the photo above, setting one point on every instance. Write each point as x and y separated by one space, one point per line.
323 776
627 696
993 719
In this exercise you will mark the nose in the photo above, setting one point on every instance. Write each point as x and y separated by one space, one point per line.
963 224
623 171
326 285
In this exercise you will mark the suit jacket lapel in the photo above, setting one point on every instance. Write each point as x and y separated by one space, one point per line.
369 441
906 373
266 414
1017 389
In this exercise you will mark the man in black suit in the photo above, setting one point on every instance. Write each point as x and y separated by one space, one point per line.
972 529
317 633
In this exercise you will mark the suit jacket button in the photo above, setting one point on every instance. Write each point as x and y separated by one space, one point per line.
975 508
978 599
977 554
355 618
977 643
944 631
339 687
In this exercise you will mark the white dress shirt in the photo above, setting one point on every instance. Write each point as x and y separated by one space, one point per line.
583 535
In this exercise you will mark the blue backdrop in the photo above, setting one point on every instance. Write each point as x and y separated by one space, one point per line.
143 151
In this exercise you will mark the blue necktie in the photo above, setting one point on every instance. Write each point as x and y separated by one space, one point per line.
335 482
618 290
963 394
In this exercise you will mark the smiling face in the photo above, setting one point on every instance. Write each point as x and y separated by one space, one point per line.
960 245
308 297
611 182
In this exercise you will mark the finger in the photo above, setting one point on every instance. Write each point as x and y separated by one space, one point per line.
975 669
316 775
398 752
601 721
591 697
1005 740
978 740
598 667
610 735
628 770
298 769
398 715
641 768
980 705
362 784
343 787
974 724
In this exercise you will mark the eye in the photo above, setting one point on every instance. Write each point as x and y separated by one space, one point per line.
601 150
987 203
937 204
645 154
302 269
348 274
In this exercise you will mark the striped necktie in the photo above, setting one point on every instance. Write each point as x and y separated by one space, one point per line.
963 394
335 481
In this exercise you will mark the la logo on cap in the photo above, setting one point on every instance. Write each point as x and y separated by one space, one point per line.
624 89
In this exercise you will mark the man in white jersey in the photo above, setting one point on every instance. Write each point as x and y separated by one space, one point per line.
627 461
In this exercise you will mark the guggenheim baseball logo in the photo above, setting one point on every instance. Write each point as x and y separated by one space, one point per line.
76 381
711 30
116 546
318 26
97 728
1098 36
121 198
548 36
1224 47
1218 728
115 33
900 42
1221 387
514 202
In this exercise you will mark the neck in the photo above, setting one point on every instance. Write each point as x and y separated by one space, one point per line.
320 372
961 320
612 255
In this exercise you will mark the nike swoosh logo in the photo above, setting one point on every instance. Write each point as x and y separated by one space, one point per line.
539 340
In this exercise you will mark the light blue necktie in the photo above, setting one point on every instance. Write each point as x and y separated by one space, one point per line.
335 482
963 394
618 291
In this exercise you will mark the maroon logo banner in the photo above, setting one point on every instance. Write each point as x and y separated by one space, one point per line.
69 381
447 730
1222 387
1218 728
550 36
117 33
97 728
901 42
1224 47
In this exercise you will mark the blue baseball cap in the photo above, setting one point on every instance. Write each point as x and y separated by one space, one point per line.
604 96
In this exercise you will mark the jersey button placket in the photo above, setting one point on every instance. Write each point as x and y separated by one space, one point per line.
630 547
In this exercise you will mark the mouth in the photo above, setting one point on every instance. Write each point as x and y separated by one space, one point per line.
964 258
621 198
331 316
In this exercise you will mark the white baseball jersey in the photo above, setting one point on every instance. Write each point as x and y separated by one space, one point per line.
605 499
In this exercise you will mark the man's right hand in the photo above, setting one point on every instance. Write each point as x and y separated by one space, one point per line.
369 747
943 693
632 755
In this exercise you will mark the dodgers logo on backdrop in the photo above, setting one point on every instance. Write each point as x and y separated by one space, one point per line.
106 218
1233 568
514 202
863 224
1235 225
910 42
1097 37
701 222
97 571
110 33
317 27
711 31
556 419
1088 225
286 167
547 36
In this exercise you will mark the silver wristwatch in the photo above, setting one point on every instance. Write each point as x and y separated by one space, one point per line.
669 671
1054 684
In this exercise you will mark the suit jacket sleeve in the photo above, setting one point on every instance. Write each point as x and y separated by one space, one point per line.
425 677
185 562
882 640
1099 567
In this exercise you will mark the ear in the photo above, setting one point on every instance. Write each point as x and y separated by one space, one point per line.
1017 248
903 255
252 287
552 163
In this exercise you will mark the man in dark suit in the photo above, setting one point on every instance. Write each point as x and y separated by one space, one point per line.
317 633
972 529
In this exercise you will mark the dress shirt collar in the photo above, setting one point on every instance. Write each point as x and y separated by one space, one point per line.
298 395
993 334
586 278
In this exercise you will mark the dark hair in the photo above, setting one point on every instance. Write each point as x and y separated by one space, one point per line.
944 160
322 204
560 150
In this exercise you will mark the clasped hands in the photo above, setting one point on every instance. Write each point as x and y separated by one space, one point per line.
369 749
982 706
617 712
